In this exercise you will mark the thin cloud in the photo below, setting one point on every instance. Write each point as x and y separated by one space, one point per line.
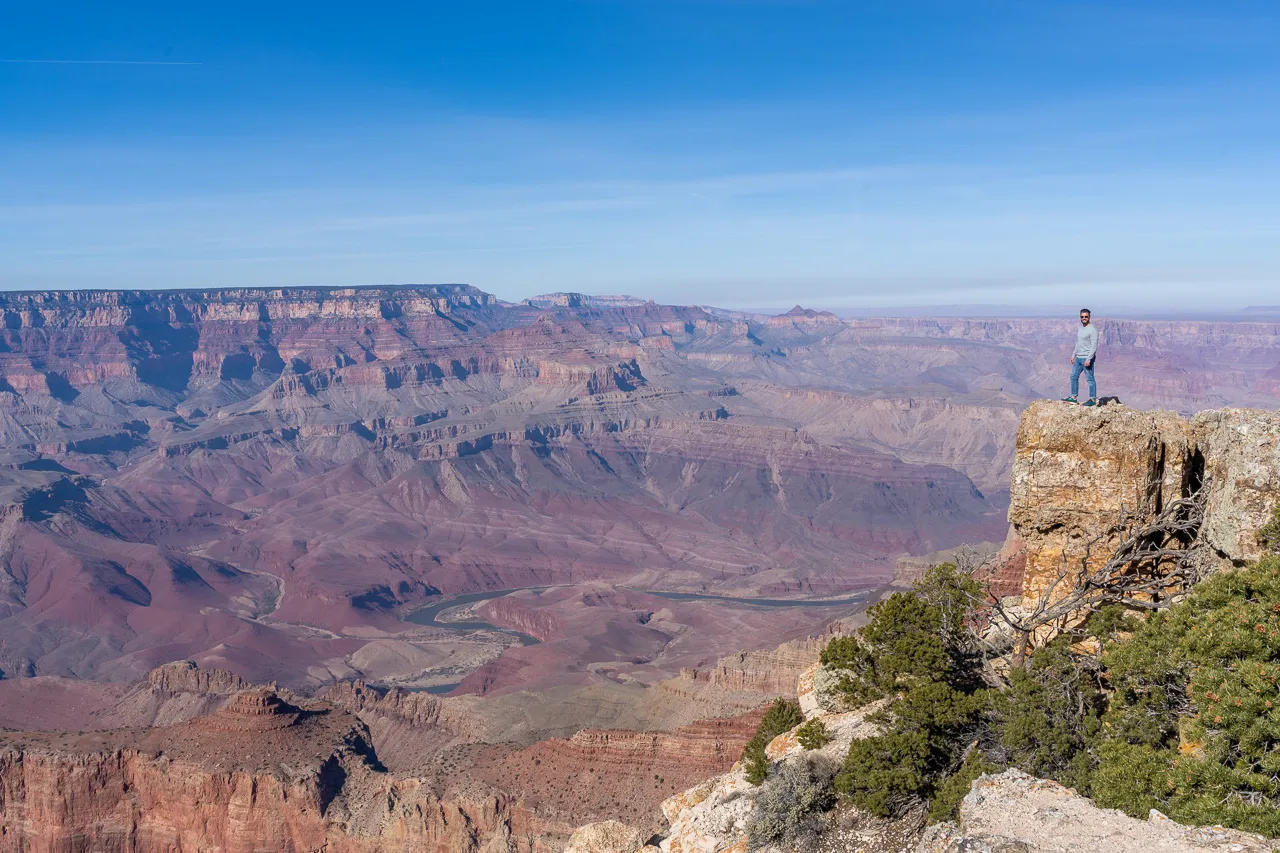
93 62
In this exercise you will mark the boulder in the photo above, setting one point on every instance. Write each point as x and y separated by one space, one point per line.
818 694
1012 812
712 817
1241 452
609 836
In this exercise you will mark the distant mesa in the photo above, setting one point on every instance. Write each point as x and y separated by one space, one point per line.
801 316
557 300
580 300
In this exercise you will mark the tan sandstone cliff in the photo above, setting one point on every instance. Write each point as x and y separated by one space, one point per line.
1077 469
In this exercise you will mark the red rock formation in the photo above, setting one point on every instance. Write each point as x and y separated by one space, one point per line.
772 672
511 612
265 773
1005 574
415 709
185 677
707 746
620 775
309 784
171 694
259 710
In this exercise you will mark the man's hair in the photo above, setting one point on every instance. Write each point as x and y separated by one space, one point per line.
1086 311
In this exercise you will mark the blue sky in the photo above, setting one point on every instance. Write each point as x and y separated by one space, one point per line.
745 153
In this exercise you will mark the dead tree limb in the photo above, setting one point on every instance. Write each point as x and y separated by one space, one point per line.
1156 561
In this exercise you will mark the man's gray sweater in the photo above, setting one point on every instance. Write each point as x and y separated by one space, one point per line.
1086 342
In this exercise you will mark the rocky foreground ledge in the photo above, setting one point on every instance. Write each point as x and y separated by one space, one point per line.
1012 812
1009 812
1077 471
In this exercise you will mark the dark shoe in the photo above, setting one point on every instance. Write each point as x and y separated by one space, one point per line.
1070 400
1091 402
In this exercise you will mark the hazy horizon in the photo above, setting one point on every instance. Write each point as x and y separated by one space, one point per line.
1254 313
752 154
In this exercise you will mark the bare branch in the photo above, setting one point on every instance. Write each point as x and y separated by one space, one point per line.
1155 563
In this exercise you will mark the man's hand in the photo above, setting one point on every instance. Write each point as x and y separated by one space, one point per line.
1089 364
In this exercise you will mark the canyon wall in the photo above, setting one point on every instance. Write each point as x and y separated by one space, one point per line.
768 671
620 775
1076 472
363 770
268 481
260 774
263 480
373 769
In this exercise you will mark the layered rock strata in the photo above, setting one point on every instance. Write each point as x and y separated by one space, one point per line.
186 677
254 711
258 775
415 709
266 480
1078 473
620 775
170 694
367 769
769 671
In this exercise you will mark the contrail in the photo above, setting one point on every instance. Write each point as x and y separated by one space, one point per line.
93 62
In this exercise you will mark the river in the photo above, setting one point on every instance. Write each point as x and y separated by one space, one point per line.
427 615
860 598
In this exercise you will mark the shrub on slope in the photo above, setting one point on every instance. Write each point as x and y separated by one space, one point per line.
1193 724
1180 712
782 716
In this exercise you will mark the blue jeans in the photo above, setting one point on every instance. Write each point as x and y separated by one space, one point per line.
1077 367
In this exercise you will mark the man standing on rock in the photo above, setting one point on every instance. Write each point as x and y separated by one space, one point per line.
1082 359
